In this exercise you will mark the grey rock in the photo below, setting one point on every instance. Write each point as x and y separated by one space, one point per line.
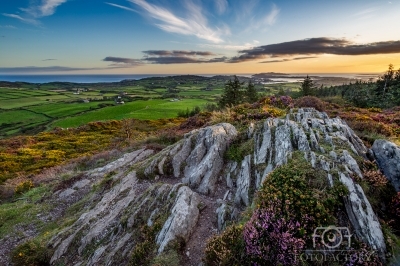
182 220
361 215
243 182
387 156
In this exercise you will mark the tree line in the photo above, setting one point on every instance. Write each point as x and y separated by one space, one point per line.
383 93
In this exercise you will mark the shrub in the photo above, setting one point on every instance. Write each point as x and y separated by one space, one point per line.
310 101
375 178
23 187
271 239
32 253
169 258
394 209
282 102
228 248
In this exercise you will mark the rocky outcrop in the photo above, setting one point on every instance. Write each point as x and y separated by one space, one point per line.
107 230
108 227
387 155
328 144
197 159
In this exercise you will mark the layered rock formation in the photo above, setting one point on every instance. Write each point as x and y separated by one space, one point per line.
167 188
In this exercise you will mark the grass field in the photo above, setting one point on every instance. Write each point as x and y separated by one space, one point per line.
57 110
31 108
151 109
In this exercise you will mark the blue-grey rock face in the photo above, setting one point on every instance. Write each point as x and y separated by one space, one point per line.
387 155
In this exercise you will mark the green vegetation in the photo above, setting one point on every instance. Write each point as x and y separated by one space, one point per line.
234 93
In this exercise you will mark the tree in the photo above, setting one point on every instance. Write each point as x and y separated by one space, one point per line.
233 93
308 87
251 93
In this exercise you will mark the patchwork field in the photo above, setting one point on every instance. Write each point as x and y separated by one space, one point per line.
31 108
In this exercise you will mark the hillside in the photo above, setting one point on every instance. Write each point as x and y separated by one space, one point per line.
207 189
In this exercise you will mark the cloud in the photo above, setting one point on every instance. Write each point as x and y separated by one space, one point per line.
365 12
235 47
46 8
315 46
26 20
255 17
288 59
183 60
50 59
35 69
195 24
122 7
35 11
167 57
180 57
177 53
123 62
7 26
221 6
271 17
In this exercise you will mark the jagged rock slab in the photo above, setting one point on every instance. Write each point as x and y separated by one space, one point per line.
197 159
108 231
387 156
182 220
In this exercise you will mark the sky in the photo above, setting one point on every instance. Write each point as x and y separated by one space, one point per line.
198 36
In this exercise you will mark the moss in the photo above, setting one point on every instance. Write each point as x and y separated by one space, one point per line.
33 253
169 258
238 150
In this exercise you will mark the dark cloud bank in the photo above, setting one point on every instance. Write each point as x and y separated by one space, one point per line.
316 46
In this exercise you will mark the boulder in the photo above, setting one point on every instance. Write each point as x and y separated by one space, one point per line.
387 156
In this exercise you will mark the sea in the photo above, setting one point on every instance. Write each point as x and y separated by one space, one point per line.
116 78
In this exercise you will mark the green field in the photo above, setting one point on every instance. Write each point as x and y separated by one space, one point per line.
31 108
151 109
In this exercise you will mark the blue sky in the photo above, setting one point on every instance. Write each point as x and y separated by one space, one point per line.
197 36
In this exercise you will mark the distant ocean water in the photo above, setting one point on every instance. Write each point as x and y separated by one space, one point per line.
72 78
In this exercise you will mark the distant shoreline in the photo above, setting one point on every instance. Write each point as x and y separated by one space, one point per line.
108 78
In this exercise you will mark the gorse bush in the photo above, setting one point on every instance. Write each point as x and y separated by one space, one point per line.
271 239
227 249
23 187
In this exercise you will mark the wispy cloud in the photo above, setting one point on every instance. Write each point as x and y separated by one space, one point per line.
288 59
35 69
234 47
123 62
194 24
46 8
271 17
7 26
26 20
365 12
316 46
122 7
177 53
50 59
221 6
36 11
